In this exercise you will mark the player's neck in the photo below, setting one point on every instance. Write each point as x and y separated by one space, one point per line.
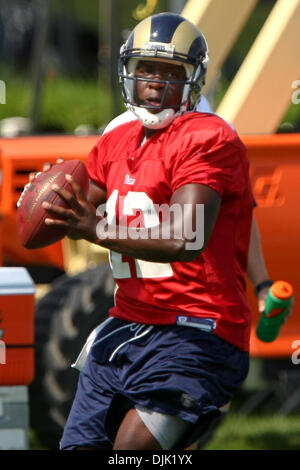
149 132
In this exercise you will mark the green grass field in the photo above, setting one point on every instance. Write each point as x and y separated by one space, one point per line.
259 432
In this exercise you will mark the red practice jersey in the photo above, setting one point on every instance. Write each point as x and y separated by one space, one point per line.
196 148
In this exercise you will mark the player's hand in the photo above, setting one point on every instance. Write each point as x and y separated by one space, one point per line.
33 175
289 312
261 299
46 167
79 218
262 295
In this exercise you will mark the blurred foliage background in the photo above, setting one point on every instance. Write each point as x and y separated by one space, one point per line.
58 60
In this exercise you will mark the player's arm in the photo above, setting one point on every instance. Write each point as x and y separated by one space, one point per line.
96 195
256 270
187 231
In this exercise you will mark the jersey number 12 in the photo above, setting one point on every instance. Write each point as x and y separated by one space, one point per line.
132 202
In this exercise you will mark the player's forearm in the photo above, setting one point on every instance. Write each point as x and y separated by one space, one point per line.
158 244
256 270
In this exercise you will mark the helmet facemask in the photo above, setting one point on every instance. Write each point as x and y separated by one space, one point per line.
129 85
194 62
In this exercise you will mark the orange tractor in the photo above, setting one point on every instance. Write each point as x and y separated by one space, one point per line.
74 287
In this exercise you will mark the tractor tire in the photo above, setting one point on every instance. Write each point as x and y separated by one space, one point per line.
63 320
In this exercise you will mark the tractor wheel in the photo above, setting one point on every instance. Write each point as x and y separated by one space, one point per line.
63 320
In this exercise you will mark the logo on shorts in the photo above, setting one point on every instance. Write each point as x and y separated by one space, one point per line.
187 401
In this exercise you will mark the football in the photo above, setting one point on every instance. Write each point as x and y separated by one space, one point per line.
33 232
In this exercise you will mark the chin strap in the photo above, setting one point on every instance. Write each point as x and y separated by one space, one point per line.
154 121
159 120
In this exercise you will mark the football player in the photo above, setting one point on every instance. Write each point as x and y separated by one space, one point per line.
175 207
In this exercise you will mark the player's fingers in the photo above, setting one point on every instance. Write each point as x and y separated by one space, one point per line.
69 198
64 213
289 312
57 223
47 166
76 188
261 305
262 296
31 177
23 193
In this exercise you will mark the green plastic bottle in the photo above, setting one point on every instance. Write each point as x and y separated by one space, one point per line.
278 301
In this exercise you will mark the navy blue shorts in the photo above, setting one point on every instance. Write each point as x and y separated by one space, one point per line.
173 369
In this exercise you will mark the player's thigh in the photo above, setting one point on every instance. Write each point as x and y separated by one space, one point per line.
134 435
146 429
